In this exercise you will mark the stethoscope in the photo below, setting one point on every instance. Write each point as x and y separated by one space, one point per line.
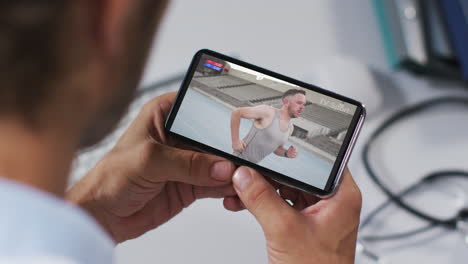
458 222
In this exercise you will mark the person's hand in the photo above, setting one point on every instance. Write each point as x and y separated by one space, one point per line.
291 152
239 145
145 180
309 231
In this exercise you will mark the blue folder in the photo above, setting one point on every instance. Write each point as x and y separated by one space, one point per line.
455 14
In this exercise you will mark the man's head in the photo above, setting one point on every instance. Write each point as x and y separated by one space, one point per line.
294 100
73 63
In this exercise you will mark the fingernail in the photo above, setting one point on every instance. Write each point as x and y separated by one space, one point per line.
221 171
242 178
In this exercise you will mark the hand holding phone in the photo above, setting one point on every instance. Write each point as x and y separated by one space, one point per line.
310 231
249 115
152 178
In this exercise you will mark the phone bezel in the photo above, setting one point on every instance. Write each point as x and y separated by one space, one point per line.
341 159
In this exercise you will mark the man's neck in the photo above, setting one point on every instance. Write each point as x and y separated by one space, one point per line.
284 115
39 159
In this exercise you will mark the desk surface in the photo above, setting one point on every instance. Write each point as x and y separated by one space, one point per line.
288 38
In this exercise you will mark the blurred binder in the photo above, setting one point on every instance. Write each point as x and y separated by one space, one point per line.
437 37
456 17
442 61
411 21
401 25
419 35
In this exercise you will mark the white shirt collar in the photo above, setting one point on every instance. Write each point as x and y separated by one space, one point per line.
36 224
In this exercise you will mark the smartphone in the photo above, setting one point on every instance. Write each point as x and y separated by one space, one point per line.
296 133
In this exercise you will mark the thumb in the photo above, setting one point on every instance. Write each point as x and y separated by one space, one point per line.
165 163
261 199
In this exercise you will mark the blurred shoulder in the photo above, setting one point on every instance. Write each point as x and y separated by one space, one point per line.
42 260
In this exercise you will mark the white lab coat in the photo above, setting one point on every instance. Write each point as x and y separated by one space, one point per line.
36 227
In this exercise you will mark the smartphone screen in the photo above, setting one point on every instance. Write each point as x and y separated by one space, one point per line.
297 133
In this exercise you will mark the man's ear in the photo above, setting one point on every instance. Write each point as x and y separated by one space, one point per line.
108 23
285 101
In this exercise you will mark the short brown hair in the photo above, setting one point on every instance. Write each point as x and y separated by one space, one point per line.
38 51
29 33
293 92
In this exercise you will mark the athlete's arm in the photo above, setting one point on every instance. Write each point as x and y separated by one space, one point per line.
281 151
253 113
291 152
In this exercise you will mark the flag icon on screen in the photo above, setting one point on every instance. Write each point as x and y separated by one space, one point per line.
213 65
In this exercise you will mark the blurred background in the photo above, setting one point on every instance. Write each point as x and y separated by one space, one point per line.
389 54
